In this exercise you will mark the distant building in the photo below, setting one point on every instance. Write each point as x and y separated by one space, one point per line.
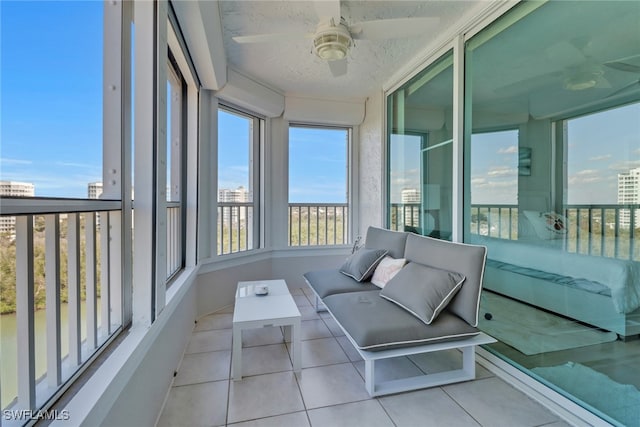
239 195
410 195
13 189
94 190
411 213
629 194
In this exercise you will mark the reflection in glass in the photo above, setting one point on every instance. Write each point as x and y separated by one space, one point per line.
552 158
420 182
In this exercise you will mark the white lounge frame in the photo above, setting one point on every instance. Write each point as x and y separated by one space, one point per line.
380 388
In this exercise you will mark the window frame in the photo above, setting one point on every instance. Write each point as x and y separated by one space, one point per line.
255 238
351 184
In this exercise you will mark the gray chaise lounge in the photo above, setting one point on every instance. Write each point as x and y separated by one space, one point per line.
391 322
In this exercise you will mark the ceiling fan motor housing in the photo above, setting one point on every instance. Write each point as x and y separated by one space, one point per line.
332 42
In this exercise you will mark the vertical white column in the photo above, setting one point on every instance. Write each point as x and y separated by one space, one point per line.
191 226
144 136
116 260
73 288
457 208
52 276
24 312
161 157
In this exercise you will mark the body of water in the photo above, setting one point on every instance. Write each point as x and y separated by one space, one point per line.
9 347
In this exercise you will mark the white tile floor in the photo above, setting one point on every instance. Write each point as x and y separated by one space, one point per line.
330 391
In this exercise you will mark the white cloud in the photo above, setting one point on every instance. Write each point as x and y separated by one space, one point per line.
598 158
500 171
77 165
512 149
625 165
587 176
6 160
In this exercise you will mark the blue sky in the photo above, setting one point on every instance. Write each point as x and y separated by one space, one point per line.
51 90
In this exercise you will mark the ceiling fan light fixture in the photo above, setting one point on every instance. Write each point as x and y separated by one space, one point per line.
582 81
332 42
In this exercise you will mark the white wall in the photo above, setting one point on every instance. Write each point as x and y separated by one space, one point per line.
129 387
372 185
140 401
216 287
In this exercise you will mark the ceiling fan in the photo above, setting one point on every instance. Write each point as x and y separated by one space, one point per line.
334 37
575 69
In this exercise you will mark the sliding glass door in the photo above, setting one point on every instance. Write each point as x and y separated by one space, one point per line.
552 188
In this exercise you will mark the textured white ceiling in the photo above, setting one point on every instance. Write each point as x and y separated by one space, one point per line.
290 65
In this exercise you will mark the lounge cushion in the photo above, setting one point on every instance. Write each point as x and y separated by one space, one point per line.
423 291
393 241
361 265
385 271
468 260
329 282
377 324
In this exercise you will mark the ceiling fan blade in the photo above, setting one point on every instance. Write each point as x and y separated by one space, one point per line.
625 88
328 9
392 28
623 66
273 37
338 68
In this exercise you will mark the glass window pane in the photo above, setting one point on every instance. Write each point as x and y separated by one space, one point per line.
421 152
552 166
236 142
318 186
52 58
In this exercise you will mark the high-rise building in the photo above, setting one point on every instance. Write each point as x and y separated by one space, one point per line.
629 194
94 190
13 189
239 195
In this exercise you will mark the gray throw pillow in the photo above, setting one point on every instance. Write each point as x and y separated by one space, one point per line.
361 265
423 291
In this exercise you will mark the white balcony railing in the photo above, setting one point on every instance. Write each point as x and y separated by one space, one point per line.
61 295
598 230
318 224
235 227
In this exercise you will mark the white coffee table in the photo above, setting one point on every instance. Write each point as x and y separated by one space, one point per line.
275 309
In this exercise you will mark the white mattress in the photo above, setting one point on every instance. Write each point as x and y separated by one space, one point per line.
620 276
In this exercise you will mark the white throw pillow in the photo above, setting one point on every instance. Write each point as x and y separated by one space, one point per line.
387 268
547 225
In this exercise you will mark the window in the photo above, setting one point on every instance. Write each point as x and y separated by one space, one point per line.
239 140
61 249
318 186
175 167
602 203
494 184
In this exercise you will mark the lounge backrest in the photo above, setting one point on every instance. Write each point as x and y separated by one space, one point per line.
462 258
393 241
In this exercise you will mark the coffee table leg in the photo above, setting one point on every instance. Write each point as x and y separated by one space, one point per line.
295 343
236 354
